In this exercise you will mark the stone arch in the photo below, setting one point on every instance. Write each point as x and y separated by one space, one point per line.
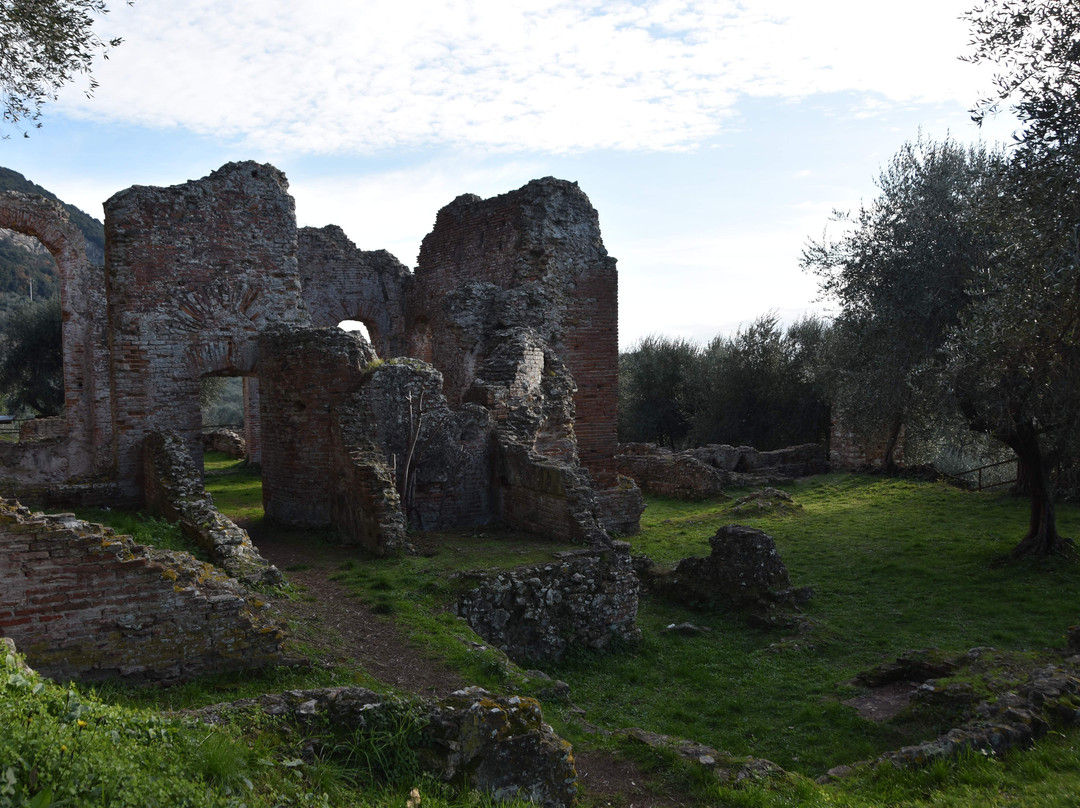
84 342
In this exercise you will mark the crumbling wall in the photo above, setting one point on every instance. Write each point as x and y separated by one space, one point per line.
666 473
341 282
542 487
705 470
441 459
587 599
194 273
174 491
82 602
529 258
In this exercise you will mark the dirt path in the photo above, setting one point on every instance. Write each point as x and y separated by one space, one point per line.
342 630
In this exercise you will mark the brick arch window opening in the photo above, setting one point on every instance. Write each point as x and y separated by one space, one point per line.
360 327
35 282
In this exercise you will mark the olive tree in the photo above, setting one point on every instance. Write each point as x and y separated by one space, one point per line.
44 44
899 273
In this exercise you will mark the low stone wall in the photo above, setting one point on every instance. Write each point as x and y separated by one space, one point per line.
174 491
498 745
704 471
42 429
669 474
584 600
84 603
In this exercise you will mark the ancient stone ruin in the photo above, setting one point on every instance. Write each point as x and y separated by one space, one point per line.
487 391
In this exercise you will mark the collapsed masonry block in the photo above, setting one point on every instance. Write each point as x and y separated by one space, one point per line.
585 599
498 745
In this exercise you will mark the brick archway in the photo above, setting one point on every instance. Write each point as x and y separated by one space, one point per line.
80 295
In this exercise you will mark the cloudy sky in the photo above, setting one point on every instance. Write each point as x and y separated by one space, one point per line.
714 138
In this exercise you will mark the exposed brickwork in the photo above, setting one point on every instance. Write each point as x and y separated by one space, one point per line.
305 375
341 282
194 273
82 602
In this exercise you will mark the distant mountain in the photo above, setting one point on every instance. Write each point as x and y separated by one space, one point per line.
91 227
25 264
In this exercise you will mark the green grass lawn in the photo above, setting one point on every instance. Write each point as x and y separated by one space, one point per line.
895 565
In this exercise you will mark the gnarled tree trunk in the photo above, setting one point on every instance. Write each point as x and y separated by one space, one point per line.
1042 537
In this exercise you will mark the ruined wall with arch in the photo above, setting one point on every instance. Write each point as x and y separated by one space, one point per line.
194 273
82 447
341 282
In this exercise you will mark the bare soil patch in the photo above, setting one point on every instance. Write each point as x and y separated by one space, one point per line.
340 628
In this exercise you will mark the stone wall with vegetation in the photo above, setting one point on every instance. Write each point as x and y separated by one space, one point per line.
174 491
84 603
585 599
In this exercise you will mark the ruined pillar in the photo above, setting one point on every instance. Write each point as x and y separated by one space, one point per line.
533 257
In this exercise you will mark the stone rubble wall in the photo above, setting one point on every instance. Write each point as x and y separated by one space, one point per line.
706 470
449 453
669 474
225 441
174 491
84 603
586 599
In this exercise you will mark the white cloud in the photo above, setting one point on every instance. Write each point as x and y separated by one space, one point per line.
394 210
328 76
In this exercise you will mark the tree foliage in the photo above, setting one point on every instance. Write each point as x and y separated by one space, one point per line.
44 44
31 359
899 274
1014 360
657 379
760 386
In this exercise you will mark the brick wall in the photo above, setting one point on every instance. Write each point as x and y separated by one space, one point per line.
304 375
341 282
195 271
82 602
